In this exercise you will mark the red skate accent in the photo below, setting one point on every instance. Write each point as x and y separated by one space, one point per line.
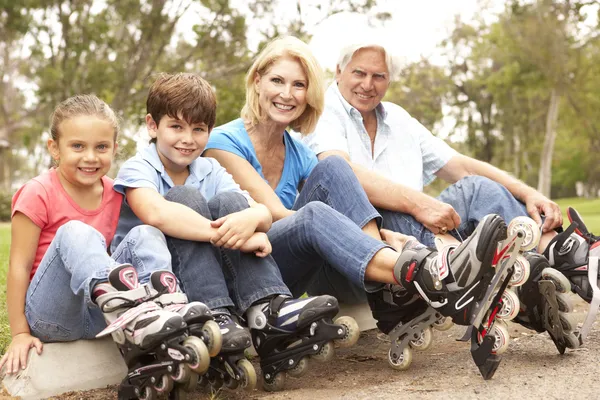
169 281
411 270
499 255
128 276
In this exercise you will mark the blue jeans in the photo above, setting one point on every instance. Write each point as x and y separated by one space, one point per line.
320 250
58 306
218 276
473 197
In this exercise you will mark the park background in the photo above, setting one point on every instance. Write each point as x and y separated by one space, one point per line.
515 83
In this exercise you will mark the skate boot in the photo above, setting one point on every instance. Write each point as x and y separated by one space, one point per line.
196 315
287 331
569 252
408 320
230 368
467 282
544 304
153 341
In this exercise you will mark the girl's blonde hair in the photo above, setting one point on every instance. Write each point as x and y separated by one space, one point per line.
288 46
82 104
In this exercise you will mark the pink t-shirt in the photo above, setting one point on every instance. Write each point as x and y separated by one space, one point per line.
44 200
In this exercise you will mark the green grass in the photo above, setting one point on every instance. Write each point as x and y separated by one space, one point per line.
589 210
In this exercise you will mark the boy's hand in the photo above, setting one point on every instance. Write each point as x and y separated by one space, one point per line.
259 244
16 354
235 229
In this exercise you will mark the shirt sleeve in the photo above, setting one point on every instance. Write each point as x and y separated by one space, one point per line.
221 139
435 152
330 133
225 180
32 200
136 173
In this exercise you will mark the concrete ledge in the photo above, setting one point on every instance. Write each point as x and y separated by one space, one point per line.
361 313
63 367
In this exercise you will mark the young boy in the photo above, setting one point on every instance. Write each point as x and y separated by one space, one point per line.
214 230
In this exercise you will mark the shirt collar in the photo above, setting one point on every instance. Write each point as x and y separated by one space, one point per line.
380 109
199 168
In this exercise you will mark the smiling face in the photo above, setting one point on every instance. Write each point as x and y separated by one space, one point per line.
365 80
178 142
84 150
282 91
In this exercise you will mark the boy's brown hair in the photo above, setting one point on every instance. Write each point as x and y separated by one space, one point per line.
182 95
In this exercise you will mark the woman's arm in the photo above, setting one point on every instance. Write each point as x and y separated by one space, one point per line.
248 179
25 237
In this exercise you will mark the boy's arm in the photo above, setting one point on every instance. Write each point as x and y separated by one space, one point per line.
153 209
24 241
262 214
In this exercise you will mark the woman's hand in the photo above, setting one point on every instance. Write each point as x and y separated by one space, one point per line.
15 357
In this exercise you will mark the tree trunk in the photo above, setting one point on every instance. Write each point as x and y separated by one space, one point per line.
545 174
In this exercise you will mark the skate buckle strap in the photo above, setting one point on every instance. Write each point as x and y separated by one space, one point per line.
129 316
274 306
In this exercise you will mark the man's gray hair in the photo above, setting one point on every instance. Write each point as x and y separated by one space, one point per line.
348 52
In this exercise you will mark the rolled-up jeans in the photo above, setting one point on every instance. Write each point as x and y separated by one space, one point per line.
58 304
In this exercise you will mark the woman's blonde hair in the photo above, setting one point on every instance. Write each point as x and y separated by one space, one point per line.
288 46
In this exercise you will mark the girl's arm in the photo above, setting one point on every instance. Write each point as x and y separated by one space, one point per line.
248 179
25 237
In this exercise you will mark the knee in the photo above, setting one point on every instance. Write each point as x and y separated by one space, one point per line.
315 211
227 203
476 182
147 232
335 164
77 232
189 197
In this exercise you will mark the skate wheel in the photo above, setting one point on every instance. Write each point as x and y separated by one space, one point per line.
560 281
571 341
201 357
352 331
276 384
424 341
249 380
212 333
325 354
148 393
402 362
567 321
521 270
564 303
300 369
231 383
164 384
501 336
182 374
529 229
216 381
510 305
191 383
443 324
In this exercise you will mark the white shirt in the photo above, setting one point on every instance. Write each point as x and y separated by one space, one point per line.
405 151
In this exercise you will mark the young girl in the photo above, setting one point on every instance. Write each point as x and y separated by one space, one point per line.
62 221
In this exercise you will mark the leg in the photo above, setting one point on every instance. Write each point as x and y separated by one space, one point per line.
250 278
75 261
334 183
408 225
197 265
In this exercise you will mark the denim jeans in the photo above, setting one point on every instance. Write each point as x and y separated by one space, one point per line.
473 197
220 277
58 306
320 250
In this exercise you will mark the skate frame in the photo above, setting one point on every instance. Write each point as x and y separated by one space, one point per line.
595 304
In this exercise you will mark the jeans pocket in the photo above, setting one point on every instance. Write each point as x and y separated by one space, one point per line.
49 331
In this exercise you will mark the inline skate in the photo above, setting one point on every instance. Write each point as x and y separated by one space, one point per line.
286 332
230 368
154 342
466 282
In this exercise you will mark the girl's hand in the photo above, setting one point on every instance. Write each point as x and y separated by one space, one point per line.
234 230
16 354
258 244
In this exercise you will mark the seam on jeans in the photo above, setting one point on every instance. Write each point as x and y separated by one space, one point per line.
376 216
227 261
137 261
34 289
363 266
261 294
219 303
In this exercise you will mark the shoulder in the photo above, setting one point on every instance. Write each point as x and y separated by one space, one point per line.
395 111
233 128
41 185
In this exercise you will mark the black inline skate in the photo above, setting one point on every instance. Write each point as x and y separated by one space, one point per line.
287 331
230 368
154 342
544 304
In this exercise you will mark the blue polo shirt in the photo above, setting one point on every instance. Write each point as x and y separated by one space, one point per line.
145 170
297 166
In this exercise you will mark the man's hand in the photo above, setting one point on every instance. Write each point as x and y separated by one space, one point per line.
436 216
538 204
258 244
15 357
235 229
